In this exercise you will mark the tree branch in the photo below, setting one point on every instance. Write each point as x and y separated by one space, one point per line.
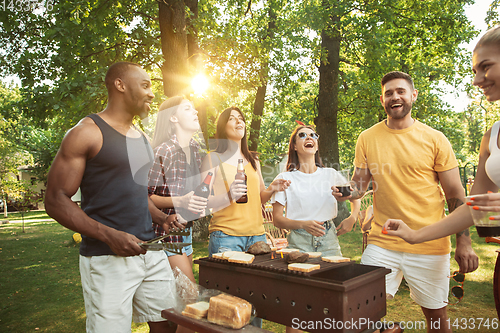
249 9
146 15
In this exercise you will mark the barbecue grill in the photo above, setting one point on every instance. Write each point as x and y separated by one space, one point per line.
338 297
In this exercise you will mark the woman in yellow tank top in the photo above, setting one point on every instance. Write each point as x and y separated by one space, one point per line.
235 226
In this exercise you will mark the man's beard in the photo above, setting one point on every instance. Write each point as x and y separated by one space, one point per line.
395 115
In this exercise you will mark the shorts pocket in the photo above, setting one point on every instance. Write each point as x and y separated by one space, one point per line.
218 234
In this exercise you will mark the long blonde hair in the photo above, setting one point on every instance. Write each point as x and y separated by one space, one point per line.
490 38
164 128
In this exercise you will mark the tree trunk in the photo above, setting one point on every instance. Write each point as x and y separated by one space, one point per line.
326 121
260 97
5 208
194 55
195 61
258 108
174 47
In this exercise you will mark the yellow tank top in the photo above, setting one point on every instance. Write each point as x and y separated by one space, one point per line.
238 219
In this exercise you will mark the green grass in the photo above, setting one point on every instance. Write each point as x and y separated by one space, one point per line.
40 287
31 215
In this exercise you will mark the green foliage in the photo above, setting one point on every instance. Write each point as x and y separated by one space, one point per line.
476 120
22 195
492 16
23 142
418 37
61 56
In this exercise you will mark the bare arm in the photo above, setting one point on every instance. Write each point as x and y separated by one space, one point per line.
455 196
276 186
360 181
346 225
66 172
162 202
162 219
483 184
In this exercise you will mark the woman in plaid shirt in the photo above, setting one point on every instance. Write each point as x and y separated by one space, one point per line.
176 173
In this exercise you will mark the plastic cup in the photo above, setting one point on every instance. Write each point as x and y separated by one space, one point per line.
343 183
484 226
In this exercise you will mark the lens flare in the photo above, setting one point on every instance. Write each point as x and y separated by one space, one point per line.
199 84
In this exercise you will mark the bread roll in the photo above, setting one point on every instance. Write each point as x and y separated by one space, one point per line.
296 257
229 311
259 248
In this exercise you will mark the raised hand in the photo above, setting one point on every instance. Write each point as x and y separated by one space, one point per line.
195 203
399 228
489 202
279 185
237 189
313 227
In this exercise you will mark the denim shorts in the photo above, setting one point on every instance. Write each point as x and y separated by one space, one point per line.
221 242
328 244
188 250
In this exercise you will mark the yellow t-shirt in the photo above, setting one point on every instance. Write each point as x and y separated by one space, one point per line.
238 219
404 165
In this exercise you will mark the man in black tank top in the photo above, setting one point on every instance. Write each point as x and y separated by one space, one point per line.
109 159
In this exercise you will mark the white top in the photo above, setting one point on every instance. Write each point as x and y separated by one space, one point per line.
492 164
309 196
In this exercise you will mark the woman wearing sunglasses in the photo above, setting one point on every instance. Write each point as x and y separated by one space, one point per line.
235 226
308 201
484 192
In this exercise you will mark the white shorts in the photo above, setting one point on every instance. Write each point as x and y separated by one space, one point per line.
426 275
117 289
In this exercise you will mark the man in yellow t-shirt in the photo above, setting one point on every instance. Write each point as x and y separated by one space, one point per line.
406 161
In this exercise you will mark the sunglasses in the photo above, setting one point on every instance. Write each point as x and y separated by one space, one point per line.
313 135
457 291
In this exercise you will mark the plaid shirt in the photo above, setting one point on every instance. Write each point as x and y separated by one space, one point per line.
167 176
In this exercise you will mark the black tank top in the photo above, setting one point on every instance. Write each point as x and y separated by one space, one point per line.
114 187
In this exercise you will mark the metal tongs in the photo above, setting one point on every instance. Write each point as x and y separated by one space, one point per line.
155 244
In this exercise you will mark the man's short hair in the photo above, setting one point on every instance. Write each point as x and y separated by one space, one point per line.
397 75
117 70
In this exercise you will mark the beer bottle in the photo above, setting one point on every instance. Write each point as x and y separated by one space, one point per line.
240 174
202 190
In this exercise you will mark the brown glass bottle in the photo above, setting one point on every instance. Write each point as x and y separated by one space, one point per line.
203 190
241 175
